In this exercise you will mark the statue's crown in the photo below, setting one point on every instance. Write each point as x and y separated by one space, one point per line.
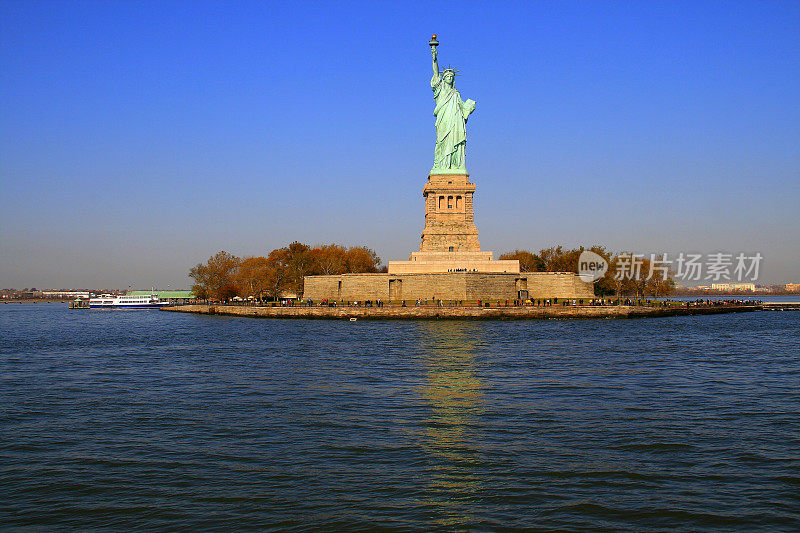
454 70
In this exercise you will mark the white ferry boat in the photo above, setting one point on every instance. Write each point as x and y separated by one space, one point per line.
142 301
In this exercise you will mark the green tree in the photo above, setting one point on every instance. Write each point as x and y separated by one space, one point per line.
630 275
301 263
658 286
660 282
605 286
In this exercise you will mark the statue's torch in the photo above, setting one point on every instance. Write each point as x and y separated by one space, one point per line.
434 43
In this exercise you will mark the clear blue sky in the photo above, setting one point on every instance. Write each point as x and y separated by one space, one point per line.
139 138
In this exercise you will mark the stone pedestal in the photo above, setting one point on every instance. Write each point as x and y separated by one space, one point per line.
449 264
449 219
450 238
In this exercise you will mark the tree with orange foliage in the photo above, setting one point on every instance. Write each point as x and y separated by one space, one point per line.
361 259
528 262
301 264
215 278
281 271
277 272
252 277
330 259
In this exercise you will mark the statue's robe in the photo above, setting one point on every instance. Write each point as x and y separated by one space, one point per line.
451 125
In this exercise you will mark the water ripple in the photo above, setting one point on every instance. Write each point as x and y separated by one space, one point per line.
160 421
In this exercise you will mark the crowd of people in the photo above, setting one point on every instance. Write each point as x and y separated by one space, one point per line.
530 302
533 302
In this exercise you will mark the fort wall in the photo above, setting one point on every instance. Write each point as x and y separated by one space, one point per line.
446 286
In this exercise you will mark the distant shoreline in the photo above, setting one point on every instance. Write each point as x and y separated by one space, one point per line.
35 301
740 294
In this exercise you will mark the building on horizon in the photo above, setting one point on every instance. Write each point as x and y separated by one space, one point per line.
733 287
175 297
83 295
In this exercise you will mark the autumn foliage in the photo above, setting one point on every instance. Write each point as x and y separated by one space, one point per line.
616 281
281 272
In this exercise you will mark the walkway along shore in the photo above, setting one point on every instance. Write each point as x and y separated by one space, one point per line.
383 313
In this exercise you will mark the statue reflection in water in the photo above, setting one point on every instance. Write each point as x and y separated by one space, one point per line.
454 396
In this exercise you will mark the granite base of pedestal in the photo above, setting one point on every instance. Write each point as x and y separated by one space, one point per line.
467 286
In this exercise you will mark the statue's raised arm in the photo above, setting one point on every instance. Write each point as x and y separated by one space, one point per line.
451 118
434 43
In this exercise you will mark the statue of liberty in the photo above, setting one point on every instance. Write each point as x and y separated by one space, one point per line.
451 117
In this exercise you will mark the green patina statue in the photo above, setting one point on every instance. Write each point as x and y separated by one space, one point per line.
451 118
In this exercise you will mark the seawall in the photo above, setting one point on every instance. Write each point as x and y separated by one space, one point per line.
384 313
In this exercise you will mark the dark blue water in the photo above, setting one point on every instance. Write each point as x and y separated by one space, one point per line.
147 420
